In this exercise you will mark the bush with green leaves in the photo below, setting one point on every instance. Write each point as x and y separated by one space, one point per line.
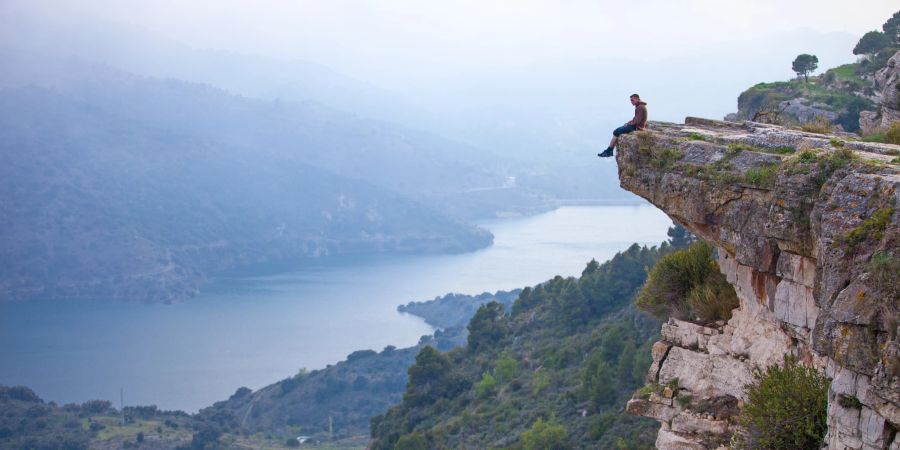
545 435
506 368
487 386
687 285
488 327
432 377
763 177
786 408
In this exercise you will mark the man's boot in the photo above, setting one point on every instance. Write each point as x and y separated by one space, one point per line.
606 153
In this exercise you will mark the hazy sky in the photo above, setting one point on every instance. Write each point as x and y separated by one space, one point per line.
426 38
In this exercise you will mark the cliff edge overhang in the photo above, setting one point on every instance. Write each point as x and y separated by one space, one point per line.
800 221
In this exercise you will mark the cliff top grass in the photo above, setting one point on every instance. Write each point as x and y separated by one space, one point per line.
845 72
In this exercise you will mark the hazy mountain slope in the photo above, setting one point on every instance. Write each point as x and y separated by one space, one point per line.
105 200
60 33
463 180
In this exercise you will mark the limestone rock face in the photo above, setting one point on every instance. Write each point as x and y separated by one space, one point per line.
806 111
806 230
887 82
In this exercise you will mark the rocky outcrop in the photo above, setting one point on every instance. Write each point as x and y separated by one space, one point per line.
806 230
887 85
807 111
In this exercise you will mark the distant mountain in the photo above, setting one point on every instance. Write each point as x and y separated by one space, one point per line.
64 33
463 180
138 189
528 127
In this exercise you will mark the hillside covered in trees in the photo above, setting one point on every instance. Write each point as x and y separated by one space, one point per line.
553 371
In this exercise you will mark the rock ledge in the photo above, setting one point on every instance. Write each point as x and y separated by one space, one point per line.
806 229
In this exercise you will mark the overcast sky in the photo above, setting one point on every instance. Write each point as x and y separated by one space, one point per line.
426 38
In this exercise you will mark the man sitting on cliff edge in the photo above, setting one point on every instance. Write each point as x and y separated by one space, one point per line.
638 123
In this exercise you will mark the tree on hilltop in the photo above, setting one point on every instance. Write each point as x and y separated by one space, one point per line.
871 43
804 65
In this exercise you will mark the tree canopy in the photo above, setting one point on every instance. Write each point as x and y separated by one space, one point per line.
871 43
487 327
804 65
891 29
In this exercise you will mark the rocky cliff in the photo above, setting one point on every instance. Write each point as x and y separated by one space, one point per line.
887 97
806 230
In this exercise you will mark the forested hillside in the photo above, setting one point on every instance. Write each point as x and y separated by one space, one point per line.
556 369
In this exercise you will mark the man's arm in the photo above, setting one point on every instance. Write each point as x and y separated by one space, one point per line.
636 120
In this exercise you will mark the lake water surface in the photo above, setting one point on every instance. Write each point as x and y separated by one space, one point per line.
252 331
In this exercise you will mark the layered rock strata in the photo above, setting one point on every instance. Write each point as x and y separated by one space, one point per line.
806 230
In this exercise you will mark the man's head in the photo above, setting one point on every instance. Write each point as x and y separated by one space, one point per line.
635 99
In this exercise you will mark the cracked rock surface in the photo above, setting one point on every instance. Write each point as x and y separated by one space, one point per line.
806 230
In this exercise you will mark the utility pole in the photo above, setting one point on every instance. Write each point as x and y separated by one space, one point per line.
331 427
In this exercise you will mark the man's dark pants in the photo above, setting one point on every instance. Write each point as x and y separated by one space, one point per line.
624 129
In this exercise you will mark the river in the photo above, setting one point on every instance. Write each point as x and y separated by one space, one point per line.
254 330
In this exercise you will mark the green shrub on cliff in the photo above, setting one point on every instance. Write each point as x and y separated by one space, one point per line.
762 176
871 228
687 285
786 408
